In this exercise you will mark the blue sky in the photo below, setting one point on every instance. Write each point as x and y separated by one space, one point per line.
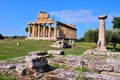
15 14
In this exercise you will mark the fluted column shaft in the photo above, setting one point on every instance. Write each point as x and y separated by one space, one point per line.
49 31
44 30
39 30
33 30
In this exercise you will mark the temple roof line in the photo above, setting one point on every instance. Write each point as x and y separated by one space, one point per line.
43 18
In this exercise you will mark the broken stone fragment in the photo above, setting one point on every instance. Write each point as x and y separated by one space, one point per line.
37 53
56 52
21 69
11 66
96 76
38 63
100 65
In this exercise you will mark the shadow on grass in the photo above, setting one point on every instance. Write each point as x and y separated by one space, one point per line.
113 50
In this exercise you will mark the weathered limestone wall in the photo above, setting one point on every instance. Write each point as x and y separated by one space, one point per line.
67 31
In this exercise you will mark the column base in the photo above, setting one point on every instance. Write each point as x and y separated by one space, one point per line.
41 38
101 49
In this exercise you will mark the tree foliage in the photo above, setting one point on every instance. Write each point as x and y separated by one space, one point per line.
115 37
91 35
108 34
1 36
26 29
112 36
116 22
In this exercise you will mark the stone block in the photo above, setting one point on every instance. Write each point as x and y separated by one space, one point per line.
21 69
38 64
111 73
96 76
100 65
56 52
11 66
88 52
37 53
61 74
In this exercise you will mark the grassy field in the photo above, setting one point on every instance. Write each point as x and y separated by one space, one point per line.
9 49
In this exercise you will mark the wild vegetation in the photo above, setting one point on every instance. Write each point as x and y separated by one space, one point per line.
112 36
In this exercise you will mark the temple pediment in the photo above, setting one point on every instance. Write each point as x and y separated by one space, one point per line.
43 17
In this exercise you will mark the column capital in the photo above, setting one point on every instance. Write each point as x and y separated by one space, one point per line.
102 16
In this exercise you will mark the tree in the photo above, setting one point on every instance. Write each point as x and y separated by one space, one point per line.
91 35
26 29
81 39
108 36
115 37
1 37
116 22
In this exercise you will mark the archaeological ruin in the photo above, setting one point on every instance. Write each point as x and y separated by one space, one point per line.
45 28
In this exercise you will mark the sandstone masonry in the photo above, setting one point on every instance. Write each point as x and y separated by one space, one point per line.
45 28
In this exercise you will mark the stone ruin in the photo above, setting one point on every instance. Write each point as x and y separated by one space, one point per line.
61 44
35 63
100 65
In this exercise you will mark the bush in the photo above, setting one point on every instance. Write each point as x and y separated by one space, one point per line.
81 39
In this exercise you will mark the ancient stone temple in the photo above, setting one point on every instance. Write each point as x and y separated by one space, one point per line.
101 41
45 28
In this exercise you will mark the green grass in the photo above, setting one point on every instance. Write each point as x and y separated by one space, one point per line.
9 49
117 49
79 48
3 77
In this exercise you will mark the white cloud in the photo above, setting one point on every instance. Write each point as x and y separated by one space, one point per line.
75 16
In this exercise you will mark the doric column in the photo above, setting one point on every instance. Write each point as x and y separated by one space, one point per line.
101 40
55 31
49 30
33 30
58 33
36 29
44 30
39 30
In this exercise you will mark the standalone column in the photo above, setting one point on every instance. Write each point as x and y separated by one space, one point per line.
38 30
101 40
49 31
